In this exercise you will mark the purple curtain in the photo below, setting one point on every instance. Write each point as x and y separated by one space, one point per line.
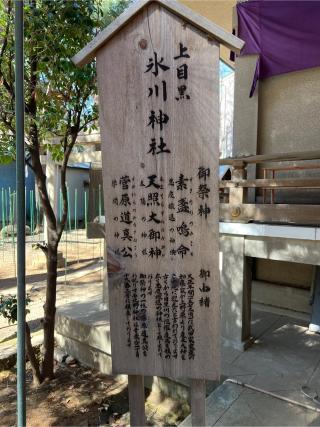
285 35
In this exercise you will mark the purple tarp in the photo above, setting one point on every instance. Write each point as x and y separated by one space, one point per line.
285 34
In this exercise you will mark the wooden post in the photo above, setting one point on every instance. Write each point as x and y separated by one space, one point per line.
237 196
264 191
198 403
246 299
136 400
272 191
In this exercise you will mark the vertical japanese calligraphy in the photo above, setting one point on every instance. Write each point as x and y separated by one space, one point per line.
160 176
159 90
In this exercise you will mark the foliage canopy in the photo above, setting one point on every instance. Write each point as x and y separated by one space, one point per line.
58 95
59 104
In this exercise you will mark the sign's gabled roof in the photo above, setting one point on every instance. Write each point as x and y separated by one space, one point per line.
88 53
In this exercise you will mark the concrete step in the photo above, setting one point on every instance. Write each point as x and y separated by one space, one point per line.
8 350
83 330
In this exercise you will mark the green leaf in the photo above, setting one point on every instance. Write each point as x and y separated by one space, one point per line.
9 307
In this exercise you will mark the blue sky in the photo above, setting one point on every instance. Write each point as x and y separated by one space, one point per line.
225 69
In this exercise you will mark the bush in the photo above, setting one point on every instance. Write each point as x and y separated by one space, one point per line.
9 307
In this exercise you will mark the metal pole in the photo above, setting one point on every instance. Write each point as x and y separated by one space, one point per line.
69 214
75 220
100 220
20 182
85 217
31 213
3 210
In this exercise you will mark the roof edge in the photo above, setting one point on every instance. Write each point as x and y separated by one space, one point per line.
88 53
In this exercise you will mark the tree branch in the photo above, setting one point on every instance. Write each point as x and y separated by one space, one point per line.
6 34
94 119
37 378
41 245
6 84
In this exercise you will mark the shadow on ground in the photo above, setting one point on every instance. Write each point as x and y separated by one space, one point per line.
74 266
77 396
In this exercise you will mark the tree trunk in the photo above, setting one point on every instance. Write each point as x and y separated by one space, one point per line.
47 370
37 377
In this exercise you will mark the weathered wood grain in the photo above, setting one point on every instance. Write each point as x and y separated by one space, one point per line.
277 157
192 135
136 401
198 402
293 183
279 213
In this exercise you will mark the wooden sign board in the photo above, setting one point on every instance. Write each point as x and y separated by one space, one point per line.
159 115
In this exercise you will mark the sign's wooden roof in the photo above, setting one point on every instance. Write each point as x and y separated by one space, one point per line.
227 39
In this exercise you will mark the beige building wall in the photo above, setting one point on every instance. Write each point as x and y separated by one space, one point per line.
282 116
289 106
218 11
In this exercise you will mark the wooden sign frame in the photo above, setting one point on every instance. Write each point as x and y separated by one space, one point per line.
158 77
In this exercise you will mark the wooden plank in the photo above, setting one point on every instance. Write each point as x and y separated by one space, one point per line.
277 157
170 329
280 213
136 401
273 183
291 168
198 402
89 52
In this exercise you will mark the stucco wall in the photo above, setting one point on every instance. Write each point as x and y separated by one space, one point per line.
282 116
289 107
245 108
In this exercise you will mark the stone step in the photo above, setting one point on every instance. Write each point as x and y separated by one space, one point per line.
83 330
